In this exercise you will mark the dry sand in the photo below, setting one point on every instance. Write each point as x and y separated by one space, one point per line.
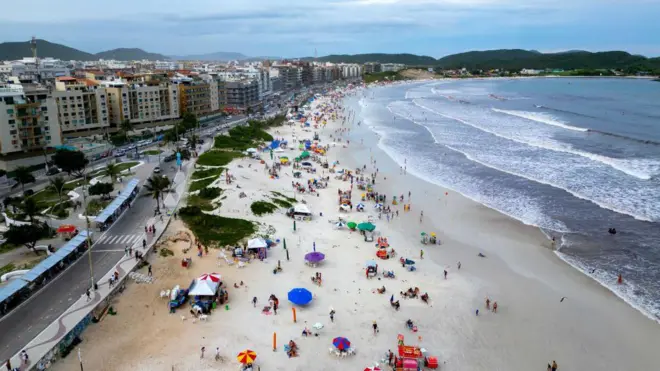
590 330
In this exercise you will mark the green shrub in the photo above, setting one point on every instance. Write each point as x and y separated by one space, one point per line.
217 158
213 229
262 207
201 184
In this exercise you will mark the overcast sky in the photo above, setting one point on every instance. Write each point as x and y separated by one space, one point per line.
294 28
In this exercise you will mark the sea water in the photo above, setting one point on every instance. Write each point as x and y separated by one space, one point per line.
572 156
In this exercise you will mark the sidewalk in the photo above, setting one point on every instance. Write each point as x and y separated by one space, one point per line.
74 320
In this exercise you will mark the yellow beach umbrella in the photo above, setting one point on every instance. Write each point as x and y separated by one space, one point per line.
246 357
432 234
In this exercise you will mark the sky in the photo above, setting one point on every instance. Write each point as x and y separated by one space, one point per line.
296 28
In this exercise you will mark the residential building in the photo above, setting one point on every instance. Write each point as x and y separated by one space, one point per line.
350 71
28 124
372 67
243 95
35 70
392 67
276 84
81 105
530 72
290 76
142 102
195 98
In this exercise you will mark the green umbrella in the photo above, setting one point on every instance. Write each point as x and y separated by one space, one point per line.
351 225
366 227
305 154
423 233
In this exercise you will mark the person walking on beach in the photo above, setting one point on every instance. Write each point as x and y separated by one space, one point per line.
488 303
494 307
375 327
254 301
421 254
390 357
149 273
554 366
201 355
332 315
445 274
217 353
421 216
459 265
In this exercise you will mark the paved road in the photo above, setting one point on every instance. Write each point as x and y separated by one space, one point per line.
22 324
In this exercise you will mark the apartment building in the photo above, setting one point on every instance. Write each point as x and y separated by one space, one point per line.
142 102
392 67
350 71
371 67
81 105
243 95
195 97
28 121
35 70
290 76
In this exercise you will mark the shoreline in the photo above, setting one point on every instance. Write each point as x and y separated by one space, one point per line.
578 333
547 234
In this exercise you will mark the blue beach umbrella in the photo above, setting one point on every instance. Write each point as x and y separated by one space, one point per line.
300 296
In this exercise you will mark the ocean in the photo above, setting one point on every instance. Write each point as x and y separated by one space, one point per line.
572 156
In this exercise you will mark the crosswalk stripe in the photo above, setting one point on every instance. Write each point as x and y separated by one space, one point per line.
111 240
120 238
102 239
132 239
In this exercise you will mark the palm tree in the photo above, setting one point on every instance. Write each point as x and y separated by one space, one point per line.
57 184
112 170
156 186
125 127
23 176
30 208
192 141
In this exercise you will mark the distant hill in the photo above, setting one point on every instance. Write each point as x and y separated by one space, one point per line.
130 54
217 56
408 59
21 49
515 59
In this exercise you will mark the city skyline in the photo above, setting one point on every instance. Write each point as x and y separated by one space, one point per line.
296 28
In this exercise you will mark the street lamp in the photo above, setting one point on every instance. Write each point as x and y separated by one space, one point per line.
89 237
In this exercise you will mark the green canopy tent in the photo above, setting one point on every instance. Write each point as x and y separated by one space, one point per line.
366 227
351 225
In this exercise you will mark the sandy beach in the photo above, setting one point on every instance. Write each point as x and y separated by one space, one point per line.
590 329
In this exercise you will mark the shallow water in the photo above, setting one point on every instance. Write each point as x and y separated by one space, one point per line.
571 156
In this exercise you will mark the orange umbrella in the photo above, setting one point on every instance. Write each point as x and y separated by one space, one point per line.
247 356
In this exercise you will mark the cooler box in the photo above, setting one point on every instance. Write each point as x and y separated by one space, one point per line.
431 362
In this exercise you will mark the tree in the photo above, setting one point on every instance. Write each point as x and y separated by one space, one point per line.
23 176
125 127
27 234
112 170
156 185
57 184
192 141
102 189
30 208
71 162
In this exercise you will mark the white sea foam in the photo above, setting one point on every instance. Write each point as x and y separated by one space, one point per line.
540 117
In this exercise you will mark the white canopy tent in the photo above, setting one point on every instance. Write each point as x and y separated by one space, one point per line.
257 243
301 209
205 285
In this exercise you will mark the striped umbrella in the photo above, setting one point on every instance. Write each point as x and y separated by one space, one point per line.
246 357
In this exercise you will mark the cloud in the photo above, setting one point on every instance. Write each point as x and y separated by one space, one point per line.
296 27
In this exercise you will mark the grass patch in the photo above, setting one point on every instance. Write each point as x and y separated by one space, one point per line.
6 247
165 252
96 205
61 210
241 138
213 229
282 203
204 198
199 174
262 207
217 158
152 152
7 268
201 184
280 195
12 267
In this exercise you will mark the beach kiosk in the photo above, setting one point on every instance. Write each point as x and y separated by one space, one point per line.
258 246
300 212
204 290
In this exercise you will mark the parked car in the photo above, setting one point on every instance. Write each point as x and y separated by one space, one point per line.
170 158
53 170
157 170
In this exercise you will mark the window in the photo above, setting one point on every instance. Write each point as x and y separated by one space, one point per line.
11 122
66 122
10 111
44 109
48 137
12 132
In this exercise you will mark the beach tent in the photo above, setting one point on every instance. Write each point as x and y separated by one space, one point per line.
257 243
366 227
205 285
301 209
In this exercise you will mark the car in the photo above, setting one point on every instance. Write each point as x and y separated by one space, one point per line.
157 170
170 158
119 153
53 170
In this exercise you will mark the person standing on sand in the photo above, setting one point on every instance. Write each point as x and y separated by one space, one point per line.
332 315
445 274
201 355
494 307
488 303
217 353
554 366
254 301
459 265
375 327
421 216
421 256
477 312
390 356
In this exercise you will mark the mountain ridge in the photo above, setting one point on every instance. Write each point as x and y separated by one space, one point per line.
13 50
